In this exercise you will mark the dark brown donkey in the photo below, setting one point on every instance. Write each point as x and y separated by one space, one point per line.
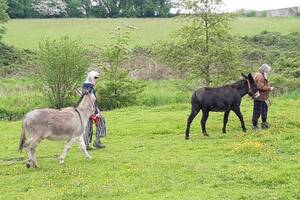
221 99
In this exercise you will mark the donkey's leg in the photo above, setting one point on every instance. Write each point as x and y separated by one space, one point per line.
31 152
29 162
205 115
225 120
83 147
67 147
194 112
240 116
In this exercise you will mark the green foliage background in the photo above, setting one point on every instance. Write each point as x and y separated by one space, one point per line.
62 69
104 8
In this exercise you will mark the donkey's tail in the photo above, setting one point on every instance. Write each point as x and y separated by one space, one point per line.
23 136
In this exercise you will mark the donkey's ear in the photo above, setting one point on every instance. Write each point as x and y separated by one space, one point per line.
244 75
250 77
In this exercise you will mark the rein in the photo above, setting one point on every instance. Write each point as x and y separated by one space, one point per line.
81 123
250 92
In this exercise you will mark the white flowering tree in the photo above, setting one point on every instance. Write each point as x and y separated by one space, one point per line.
50 8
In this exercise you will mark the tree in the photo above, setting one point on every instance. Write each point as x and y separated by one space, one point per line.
62 68
203 46
116 88
3 17
87 5
19 8
50 8
74 8
164 8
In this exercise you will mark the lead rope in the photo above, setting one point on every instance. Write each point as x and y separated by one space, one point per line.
80 119
249 88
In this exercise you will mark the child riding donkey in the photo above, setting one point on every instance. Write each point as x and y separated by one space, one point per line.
97 117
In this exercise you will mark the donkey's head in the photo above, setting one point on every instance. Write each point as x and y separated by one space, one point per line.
252 86
87 101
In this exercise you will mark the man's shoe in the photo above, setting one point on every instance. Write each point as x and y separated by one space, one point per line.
265 125
99 146
255 128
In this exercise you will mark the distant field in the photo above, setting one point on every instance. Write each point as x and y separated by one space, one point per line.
27 33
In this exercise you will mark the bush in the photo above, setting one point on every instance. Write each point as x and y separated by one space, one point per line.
281 52
117 89
251 14
284 85
62 68
13 61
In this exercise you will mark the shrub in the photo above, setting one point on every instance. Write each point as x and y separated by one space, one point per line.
62 68
13 61
117 89
251 13
281 52
284 84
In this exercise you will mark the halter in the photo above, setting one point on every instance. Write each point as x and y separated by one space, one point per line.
81 123
250 92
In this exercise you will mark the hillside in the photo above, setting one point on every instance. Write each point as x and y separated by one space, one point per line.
27 33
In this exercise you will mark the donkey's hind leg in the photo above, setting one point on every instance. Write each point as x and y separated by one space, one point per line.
205 115
194 112
225 120
67 147
83 147
240 116
31 152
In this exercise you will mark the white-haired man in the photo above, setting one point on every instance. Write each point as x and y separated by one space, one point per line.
90 84
260 107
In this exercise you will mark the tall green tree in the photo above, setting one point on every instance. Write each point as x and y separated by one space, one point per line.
73 8
3 17
116 89
203 46
19 8
62 68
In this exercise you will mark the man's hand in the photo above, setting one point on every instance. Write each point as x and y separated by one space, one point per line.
272 88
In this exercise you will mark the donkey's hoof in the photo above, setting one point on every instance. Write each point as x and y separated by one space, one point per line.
35 166
89 157
244 130
205 134
187 137
28 165
61 161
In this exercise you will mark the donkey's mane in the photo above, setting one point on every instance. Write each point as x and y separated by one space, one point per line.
79 101
237 83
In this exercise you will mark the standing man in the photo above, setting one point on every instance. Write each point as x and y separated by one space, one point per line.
260 107
97 118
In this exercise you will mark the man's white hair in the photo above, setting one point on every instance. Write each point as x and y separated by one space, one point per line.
265 70
91 77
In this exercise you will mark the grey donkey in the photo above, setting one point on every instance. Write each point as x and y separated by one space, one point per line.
52 124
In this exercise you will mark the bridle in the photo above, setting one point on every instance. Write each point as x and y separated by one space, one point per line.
76 110
81 123
250 92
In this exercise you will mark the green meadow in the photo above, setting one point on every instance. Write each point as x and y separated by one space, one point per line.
28 32
147 157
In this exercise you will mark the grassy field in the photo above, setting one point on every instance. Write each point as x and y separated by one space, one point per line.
146 155
19 95
27 33
147 158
